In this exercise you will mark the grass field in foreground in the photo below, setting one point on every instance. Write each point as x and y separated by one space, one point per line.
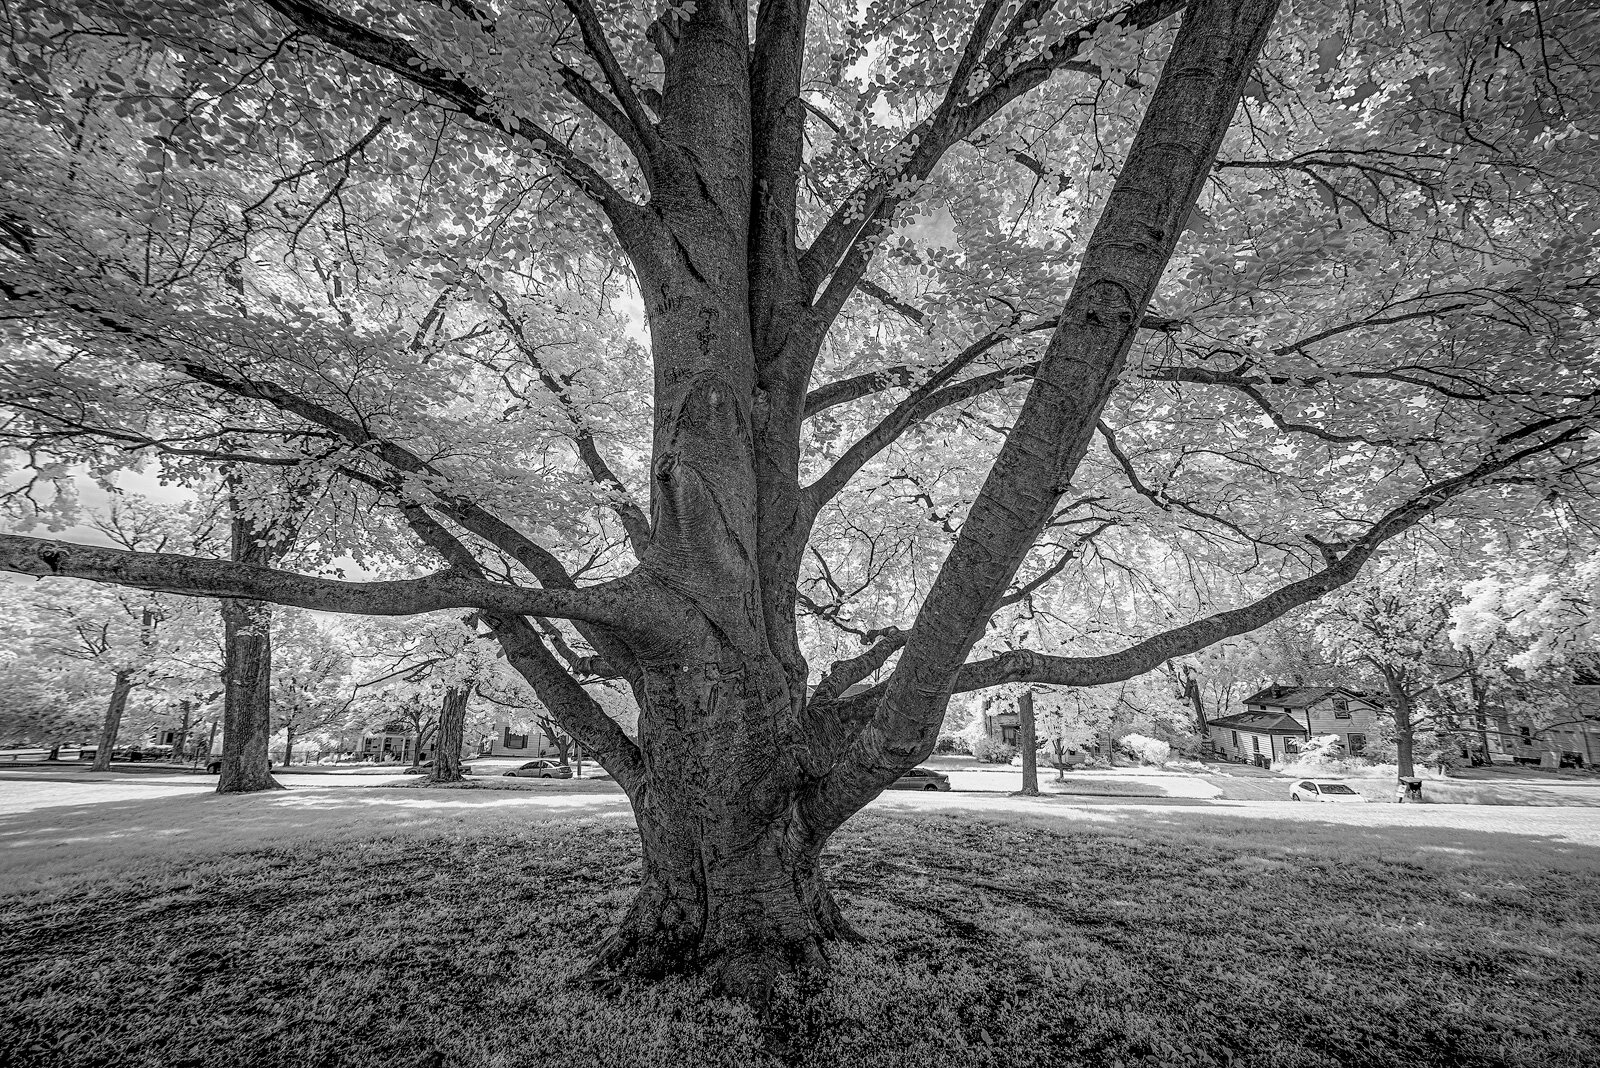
1139 942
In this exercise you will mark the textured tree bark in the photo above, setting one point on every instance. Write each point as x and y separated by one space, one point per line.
1025 741
452 723
246 699
121 686
288 746
247 655
743 901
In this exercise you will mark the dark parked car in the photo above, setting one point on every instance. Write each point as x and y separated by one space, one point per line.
541 769
214 766
421 769
921 779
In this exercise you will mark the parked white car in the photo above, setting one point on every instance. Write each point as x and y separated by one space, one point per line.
1330 791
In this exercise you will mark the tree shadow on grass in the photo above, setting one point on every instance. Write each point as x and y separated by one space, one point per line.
1137 936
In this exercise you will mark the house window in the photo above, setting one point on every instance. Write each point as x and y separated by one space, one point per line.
1235 738
1255 744
1291 747
516 741
1008 735
1527 735
1356 745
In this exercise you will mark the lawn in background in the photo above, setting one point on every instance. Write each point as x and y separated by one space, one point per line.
311 931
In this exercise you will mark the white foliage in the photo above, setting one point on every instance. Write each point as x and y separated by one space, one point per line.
1148 750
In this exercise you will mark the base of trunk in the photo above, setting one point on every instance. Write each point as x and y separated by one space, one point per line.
236 780
745 944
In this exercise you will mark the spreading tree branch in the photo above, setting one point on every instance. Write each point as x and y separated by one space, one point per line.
1343 561
604 604
401 59
839 255
634 522
1167 163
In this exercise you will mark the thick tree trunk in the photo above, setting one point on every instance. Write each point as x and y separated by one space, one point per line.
1030 755
452 722
742 900
247 655
246 700
120 688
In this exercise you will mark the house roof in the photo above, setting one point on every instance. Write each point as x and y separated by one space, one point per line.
1261 723
1301 696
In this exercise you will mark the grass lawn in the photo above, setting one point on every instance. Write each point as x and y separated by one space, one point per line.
440 929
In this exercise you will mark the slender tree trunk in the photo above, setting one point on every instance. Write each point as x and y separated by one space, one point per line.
288 746
55 752
246 700
1480 717
452 722
1030 755
557 738
121 686
1403 740
1404 731
1191 694
181 742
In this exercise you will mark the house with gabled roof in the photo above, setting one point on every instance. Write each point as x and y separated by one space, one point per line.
1278 720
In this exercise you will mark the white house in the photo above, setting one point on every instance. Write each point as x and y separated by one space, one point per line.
505 742
1278 719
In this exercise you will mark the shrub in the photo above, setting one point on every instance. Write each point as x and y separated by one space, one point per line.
1145 750
949 743
993 752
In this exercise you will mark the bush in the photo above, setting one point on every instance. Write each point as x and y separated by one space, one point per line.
992 752
1145 750
949 743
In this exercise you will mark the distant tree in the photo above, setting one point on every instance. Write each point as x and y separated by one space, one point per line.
1394 625
1528 630
311 689
47 701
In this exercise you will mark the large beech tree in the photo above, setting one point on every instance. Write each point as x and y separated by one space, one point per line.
1387 275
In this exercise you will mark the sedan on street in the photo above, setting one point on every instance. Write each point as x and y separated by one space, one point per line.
1325 790
541 769
921 779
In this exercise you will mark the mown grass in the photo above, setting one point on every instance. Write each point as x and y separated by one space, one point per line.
1132 942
